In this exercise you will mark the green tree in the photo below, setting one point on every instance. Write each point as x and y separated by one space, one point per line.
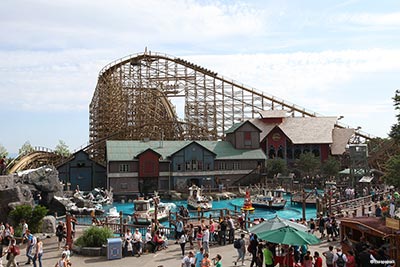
395 130
3 151
26 148
330 167
62 149
275 166
392 174
32 216
308 164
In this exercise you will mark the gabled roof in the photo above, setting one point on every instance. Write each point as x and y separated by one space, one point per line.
190 143
128 150
149 149
341 137
302 130
236 126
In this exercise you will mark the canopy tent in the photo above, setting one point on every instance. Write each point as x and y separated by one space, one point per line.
289 236
275 223
366 179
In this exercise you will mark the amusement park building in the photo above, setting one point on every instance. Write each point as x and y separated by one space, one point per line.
144 166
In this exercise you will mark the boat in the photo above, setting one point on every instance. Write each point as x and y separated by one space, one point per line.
247 205
197 200
144 210
270 199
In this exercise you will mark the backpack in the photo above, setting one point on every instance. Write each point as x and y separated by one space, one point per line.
16 250
340 261
237 244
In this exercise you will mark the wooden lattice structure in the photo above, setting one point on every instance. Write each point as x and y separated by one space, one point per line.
133 101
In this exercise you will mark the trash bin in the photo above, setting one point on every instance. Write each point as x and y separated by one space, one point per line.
114 248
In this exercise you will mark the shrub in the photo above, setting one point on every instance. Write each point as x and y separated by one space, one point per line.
32 216
94 237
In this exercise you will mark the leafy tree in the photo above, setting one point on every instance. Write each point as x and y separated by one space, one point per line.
395 130
26 148
330 167
32 216
308 164
392 174
62 149
275 166
3 151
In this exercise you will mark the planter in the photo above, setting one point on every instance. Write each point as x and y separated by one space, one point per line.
91 251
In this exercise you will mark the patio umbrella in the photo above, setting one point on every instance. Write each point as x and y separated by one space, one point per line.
276 223
289 236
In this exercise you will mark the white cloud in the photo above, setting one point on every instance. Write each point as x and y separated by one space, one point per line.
371 19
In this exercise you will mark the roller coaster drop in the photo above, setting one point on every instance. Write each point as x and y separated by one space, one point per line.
133 98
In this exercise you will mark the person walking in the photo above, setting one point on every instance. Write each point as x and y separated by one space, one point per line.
253 249
31 244
188 260
339 259
38 252
12 253
241 249
231 227
182 242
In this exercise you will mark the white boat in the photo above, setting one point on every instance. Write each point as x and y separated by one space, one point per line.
197 200
144 210
113 212
270 199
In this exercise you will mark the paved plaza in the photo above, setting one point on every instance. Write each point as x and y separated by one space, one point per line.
168 258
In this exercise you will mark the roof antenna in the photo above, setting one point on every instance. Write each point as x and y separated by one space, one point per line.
145 50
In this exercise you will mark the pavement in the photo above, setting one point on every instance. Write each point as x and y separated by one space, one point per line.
167 258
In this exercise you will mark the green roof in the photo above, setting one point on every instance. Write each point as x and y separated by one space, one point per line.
234 127
128 150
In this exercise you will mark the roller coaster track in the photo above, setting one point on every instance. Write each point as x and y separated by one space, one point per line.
34 159
137 90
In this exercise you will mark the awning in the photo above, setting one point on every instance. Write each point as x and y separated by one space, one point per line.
366 179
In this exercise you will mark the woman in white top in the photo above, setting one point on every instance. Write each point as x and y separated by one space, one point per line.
128 242
38 250
137 241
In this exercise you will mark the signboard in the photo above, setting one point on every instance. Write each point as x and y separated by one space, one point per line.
393 223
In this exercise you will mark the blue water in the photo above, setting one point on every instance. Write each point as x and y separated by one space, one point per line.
289 212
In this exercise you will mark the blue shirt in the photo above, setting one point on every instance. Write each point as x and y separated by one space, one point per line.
199 257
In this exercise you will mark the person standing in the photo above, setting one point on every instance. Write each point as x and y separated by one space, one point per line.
206 239
317 259
329 257
231 227
339 259
268 257
199 257
179 229
241 250
206 262
222 232
218 263
38 250
351 260
187 260
137 241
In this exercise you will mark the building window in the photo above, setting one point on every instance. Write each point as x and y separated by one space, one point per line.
194 164
222 165
200 165
236 165
247 138
208 166
297 153
123 167
271 153
179 167
188 166
280 152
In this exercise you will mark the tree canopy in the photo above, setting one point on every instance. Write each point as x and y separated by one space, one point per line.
3 151
26 148
62 149
392 174
308 164
395 130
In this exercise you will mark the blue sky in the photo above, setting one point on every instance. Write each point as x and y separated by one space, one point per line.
336 58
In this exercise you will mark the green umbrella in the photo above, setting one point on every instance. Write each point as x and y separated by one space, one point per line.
289 236
275 223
